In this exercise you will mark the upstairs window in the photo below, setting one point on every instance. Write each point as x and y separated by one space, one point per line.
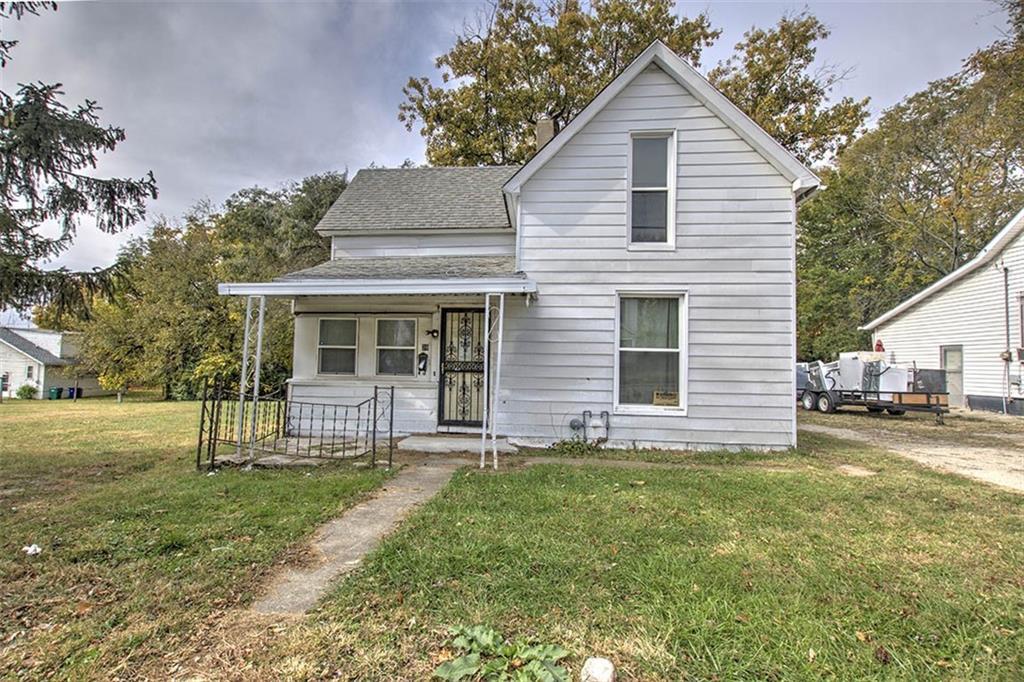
651 190
396 347
336 346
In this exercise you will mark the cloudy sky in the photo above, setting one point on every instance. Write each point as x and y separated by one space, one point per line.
218 96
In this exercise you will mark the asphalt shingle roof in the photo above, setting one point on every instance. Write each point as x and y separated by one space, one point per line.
30 349
410 267
439 198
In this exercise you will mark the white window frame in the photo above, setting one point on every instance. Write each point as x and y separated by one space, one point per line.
29 372
671 154
355 347
377 347
683 297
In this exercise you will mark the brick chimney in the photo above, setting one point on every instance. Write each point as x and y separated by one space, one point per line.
545 130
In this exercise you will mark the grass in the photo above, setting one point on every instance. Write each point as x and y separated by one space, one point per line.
137 547
736 567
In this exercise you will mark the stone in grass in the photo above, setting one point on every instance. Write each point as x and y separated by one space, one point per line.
597 670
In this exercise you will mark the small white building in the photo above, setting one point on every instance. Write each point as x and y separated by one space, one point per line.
638 273
44 360
968 323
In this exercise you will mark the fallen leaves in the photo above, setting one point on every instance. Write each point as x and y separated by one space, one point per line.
883 656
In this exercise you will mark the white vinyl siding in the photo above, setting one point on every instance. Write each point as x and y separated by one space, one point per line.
969 313
734 256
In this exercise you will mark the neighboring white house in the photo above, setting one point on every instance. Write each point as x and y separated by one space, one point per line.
42 359
969 323
641 264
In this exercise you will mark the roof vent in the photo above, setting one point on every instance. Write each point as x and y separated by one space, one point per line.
545 130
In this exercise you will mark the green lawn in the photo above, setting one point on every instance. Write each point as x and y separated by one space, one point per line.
735 567
137 548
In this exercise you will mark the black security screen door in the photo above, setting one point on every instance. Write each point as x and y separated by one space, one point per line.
462 367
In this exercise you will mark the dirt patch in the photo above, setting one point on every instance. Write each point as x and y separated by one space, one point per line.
855 471
996 465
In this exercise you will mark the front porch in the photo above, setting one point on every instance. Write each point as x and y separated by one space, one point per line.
430 327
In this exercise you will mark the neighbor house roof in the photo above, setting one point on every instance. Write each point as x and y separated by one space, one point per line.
440 198
23 345
1011 231
803 179
395 275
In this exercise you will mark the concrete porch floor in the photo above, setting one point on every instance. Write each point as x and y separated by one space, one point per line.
448 443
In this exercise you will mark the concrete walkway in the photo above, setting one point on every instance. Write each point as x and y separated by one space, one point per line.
343 542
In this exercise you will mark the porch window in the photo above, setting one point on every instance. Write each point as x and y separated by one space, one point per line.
337 346
651 352
651 190
396 347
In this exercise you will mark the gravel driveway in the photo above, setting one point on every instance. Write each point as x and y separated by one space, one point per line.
988 448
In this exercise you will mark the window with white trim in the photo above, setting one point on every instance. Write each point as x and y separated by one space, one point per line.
336 346
651 352
28 371
396 347
651 189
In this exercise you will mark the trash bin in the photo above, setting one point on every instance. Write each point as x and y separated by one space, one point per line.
55 393
78 392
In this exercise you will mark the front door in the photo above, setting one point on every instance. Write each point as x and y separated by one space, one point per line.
953 363
462 367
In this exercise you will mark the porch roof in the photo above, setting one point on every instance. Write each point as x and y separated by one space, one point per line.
395 275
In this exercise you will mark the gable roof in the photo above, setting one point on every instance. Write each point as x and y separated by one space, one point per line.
437 198
26 347
1011 231
803 179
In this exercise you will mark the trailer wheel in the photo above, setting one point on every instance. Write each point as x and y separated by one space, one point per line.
807 400
825 403
875 410
896 413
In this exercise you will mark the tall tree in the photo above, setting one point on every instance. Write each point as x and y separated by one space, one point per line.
521 61
914 198
169 327
770 77
46 151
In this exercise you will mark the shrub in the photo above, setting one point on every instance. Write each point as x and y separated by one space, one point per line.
26 392
487 656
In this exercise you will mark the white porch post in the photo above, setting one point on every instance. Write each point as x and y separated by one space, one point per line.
497 380
485 401
244 376
256 378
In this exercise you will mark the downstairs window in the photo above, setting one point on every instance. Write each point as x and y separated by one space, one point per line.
336 346
650 369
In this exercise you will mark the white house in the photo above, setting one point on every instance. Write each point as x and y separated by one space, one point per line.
969 323
42 359
637 273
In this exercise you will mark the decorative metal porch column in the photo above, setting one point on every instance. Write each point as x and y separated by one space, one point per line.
253 320
491 391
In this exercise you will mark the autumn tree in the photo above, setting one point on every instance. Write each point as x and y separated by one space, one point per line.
167 326
774 79
47 150
914 198
521 61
